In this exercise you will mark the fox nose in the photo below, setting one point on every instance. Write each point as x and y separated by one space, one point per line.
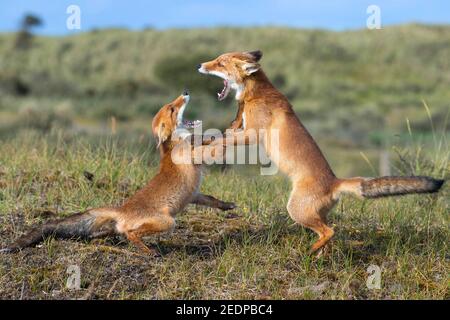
199 66
185 92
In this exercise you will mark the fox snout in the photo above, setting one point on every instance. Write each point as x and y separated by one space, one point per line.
211 67
181 101
201 68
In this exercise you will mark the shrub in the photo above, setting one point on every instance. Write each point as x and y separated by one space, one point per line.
180 72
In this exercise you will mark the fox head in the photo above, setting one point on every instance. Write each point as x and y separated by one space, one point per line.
170 118
233 68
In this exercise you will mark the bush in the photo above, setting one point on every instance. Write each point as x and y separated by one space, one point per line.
181 72
43 119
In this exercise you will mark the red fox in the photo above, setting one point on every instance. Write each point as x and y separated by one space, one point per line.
153 208
315 188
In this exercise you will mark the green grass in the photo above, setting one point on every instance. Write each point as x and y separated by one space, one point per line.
252 252
353 90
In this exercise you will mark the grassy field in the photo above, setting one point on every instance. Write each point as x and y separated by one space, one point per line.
359 93
253 252
377 76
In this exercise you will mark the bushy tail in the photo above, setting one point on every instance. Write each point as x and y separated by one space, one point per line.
84 225
388 186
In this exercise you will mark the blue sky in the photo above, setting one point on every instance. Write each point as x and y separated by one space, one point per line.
136 14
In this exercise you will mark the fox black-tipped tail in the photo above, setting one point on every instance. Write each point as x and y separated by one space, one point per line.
388 186
79 225
395 186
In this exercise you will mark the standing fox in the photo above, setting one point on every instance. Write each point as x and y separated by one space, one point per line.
315 188
152 209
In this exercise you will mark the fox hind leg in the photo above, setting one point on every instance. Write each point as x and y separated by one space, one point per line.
325 234
135 239
311 212
153 225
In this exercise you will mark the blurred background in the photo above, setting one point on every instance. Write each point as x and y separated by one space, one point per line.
359 91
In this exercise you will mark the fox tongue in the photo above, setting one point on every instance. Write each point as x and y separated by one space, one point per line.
223 94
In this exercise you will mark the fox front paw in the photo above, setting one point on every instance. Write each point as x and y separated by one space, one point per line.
235 125
228 206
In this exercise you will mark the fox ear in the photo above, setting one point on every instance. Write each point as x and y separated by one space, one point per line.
161 136
256 55
250 68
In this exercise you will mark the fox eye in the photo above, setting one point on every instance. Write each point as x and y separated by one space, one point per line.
220 64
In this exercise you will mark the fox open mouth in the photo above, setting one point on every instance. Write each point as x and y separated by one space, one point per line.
225 91
187 124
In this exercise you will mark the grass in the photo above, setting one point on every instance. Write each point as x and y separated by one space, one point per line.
254 252
68 88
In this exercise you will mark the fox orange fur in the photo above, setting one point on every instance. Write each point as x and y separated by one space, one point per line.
152 209
315 188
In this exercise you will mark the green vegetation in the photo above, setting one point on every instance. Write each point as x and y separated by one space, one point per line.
355 85
358 92
254 251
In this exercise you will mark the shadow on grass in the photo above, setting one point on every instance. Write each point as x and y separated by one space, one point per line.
361 246
401 240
